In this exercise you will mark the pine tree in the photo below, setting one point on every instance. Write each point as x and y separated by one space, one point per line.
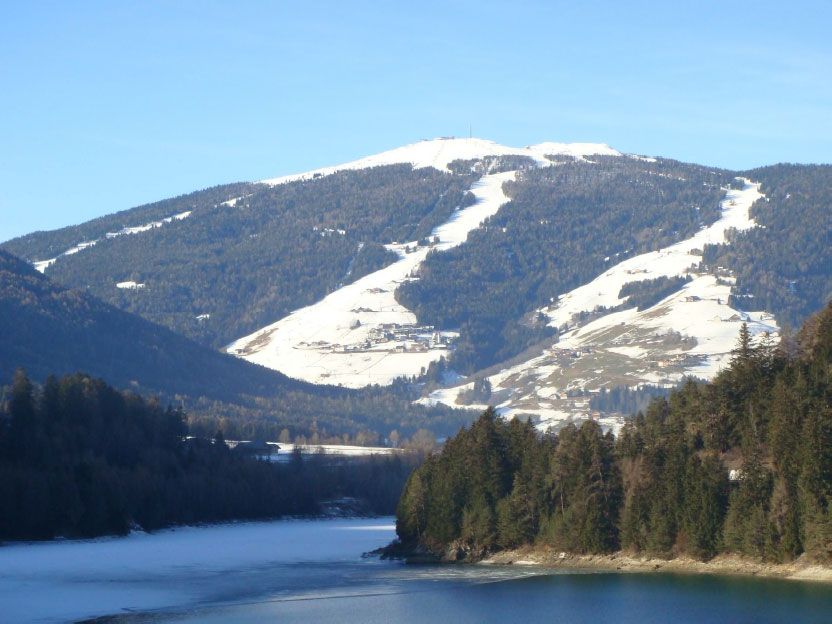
411 514
27 432
517 516
744 350
706 495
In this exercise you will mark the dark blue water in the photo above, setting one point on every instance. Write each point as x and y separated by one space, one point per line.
384 592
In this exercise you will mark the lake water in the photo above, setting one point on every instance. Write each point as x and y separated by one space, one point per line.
312 571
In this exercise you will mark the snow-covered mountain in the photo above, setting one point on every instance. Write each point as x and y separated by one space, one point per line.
360 335
441 152
553 271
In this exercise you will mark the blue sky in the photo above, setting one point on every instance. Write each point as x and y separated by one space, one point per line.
114 104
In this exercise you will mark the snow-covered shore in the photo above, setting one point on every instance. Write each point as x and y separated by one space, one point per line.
74 579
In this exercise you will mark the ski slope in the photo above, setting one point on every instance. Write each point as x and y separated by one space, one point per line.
668 262
359 334
690 332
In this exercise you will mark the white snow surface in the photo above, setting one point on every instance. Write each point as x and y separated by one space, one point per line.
42 265
331 450
439 153
341 339
71 580
338 449
130 285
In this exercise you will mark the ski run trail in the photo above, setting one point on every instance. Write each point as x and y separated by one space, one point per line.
42 265
690 332
359 334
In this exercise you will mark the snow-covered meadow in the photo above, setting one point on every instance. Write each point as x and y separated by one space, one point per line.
71 580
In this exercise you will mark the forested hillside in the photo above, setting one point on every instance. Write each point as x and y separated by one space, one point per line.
784 266
230 268
740 465
49 329
80 459
44 245
223 263
563 226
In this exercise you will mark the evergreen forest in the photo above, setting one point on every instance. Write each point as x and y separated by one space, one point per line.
742 464
80 459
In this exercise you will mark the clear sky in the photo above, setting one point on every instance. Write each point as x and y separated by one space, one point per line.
110 105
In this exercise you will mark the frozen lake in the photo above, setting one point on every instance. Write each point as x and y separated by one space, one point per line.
313 571
71 580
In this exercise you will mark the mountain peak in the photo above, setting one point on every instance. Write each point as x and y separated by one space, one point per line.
442 151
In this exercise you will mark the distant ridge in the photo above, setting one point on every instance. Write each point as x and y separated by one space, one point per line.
48 329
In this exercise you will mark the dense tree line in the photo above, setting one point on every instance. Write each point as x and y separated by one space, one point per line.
740 465
784 266
45 245
79 458
491 164
228 270
563 226
647 293
353 416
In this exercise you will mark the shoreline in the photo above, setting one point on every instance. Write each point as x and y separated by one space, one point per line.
228 523
800 569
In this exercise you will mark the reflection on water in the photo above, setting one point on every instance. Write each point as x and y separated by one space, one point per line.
381 592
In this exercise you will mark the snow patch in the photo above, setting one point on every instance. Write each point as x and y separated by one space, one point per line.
286 450
130 285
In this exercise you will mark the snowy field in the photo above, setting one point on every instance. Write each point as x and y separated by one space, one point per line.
691 332
70 580
341 450
344 451
668 262
359 335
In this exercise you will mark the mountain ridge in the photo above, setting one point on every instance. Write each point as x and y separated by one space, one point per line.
246 260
